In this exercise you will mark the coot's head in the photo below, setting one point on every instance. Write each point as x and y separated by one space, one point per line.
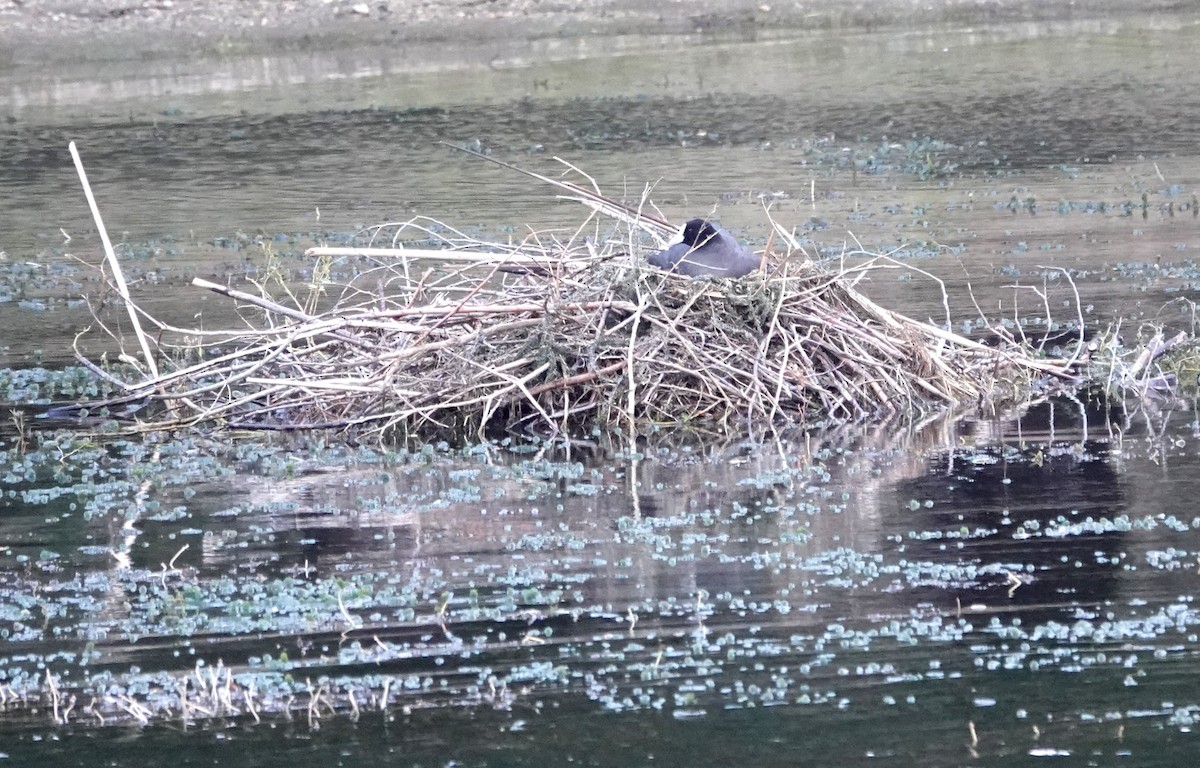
697 232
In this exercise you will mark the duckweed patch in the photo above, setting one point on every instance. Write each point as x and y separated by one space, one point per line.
39 386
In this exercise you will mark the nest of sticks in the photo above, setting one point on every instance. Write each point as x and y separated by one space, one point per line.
556 335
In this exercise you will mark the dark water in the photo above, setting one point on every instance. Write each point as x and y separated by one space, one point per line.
979 591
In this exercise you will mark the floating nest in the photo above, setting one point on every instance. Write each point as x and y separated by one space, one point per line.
564 334
555 334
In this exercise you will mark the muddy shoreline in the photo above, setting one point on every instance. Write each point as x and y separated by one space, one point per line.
40 32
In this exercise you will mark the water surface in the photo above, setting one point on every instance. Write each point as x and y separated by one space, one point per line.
967 591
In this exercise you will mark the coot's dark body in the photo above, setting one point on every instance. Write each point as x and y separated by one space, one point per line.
706 251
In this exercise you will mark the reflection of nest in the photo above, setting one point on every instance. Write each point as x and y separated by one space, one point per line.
552 335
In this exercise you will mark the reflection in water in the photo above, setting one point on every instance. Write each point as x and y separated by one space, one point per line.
856 570
999 498
862 571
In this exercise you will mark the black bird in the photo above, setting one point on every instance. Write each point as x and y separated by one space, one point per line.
706 251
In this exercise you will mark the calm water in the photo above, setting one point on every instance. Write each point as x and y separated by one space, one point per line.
963 592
